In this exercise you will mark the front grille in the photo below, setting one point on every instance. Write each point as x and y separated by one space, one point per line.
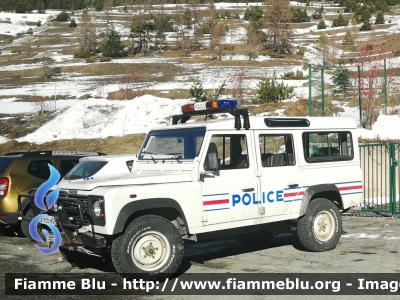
71 208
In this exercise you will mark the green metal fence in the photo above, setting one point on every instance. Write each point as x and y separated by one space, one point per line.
381 177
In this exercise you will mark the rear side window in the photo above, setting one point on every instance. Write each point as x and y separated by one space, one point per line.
40 168
67 165
4 162
327 146
85 169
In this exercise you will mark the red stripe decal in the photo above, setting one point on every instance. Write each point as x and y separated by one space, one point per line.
294 194
346 188
213 202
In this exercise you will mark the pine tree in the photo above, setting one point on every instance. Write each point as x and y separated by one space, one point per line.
321 24
73 23
112 46
40 7
380 18
341 81
348 39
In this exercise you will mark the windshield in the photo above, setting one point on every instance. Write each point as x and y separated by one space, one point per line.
173 144
85 169
4 162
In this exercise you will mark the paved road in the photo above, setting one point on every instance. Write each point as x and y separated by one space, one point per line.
370 245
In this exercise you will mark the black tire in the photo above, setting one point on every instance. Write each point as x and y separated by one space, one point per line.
256 239
147 235
25 227
320 228
82 260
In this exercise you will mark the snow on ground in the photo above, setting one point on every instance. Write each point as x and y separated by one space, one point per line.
12 23
100 118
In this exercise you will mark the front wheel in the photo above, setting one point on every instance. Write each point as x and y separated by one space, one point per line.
321 227
150 248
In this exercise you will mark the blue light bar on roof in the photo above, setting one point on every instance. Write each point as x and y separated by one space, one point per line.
210 105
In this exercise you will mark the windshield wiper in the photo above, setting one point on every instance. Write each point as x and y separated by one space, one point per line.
74 177
175 154
146 152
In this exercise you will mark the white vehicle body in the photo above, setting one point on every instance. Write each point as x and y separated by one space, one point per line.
205 179
233 198
109 165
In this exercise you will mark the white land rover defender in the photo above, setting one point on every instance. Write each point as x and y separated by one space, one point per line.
242 176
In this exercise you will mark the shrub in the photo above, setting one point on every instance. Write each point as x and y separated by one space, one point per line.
321 24
269 90
253 13
197 92
62 17
73 23
292 75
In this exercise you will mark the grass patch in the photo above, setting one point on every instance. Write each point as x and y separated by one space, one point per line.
143 71
300 108
172 94
21 125
111 145
264 108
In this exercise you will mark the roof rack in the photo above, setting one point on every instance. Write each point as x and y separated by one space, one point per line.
49 153
13 153
214 107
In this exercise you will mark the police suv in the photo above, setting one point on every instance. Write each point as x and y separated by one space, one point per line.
242 176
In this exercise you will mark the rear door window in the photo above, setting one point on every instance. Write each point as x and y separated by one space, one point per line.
40 168
85 169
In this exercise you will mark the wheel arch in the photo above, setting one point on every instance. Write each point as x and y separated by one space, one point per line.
328 191
163 207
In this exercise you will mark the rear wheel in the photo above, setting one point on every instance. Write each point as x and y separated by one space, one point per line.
151 247
321 227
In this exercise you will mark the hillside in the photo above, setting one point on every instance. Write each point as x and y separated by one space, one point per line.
52 99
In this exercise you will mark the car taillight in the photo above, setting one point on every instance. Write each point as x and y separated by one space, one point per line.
4 184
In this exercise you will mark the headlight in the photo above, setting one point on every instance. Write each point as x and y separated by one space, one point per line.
55 207
97 209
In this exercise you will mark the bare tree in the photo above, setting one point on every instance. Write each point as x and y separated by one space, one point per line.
217 35
278 16
254 40
87 37
325 47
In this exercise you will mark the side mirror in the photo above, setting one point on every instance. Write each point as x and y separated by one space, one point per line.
213 165
213 161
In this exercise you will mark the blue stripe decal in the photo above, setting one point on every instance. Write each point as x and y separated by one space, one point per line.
351 193
215 195
298 199
216 209
348 182
288 201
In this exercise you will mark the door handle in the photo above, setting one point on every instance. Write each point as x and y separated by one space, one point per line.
293 185
248 190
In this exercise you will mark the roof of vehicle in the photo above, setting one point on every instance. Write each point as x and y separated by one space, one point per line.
258 123
50 153
109 157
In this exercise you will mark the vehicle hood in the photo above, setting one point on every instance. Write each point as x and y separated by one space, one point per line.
125 179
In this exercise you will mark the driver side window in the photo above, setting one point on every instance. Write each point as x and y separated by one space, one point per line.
231 151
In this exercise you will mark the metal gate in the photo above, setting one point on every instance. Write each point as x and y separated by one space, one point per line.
381 177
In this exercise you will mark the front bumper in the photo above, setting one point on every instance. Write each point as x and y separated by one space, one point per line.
68 226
